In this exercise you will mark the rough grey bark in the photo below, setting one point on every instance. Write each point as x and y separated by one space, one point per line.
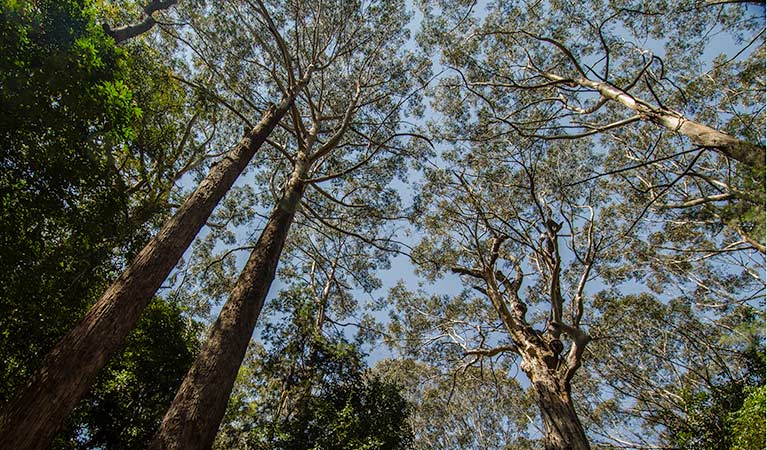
747 153
563 428
193 418
35 415
122 34
549 370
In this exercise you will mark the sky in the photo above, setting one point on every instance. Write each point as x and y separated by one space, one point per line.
402 270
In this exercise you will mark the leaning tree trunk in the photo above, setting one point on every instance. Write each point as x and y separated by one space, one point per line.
563 428
37 412
750 154
200 403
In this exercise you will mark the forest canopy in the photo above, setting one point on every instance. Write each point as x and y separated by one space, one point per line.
382 224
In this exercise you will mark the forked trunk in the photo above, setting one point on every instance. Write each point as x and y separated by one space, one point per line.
36 414
195 414
563 428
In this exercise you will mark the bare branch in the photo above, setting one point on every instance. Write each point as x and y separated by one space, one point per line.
490 352
122 34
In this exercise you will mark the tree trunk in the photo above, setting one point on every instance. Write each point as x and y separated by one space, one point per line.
195 414
35 415
563 428
747 153
703 135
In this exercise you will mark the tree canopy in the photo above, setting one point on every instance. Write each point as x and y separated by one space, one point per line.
379 224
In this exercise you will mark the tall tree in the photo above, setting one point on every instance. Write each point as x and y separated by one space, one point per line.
324 273
530 246
346 124
686 215
38 410
76 201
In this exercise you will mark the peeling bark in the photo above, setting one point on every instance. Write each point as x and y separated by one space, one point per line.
35 415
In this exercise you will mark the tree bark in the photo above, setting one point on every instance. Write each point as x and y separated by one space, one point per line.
563 428
122 34
35 415
747 153
200 403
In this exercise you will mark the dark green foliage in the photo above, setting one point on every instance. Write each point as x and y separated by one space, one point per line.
74 205
127 402
747 425
728 416
65 108
362 413
310 390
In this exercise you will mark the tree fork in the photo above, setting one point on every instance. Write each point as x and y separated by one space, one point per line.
193 418
32 419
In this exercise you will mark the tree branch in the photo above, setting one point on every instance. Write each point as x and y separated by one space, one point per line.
122 34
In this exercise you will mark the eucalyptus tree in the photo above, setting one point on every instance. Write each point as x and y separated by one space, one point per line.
38 410
682 218
345 131
636 79
527 246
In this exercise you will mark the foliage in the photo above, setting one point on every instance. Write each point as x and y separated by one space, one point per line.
308 389
748 423
90 150
362 414
127 402
65 108
729 415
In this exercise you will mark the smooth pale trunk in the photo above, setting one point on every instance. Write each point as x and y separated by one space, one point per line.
747 153
200 403
31 421
703 135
